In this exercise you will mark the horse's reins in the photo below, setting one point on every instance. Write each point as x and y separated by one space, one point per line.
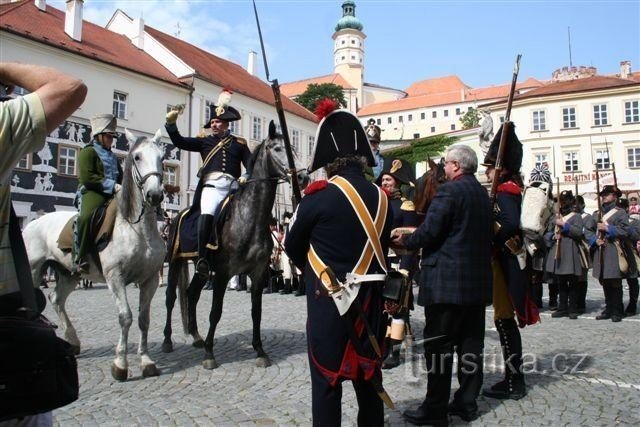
140 179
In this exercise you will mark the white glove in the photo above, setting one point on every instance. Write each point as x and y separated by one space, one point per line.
171 117
116 188
242 180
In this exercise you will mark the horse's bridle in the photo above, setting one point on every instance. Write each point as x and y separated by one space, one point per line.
282 177
139 180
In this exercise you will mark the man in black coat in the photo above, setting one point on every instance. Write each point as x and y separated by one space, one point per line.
344 224
456 283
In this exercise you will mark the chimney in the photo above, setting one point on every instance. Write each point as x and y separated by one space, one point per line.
625 69
251 64
138 34
41 4
73 19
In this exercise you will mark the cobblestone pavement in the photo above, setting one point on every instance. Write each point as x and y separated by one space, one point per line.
586 371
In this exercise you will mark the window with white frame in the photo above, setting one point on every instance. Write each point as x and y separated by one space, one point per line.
416 135
631 112
208 105
446 113
600 115
571 161
119 105
541 159
234 127
539 120
400 119
256 128
569 117
501 119
389 120
410 117
378 122
24 162
295 140
453 127
434 114
310 142
458 112
67 160
170 174
433 129
602 159
633 157
422 116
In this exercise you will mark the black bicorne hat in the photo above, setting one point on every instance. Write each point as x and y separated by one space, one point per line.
223 111
610 189
340 134
399 169
512 158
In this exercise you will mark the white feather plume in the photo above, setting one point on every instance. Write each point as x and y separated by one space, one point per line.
224 98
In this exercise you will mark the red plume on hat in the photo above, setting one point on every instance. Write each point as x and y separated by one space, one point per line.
325 106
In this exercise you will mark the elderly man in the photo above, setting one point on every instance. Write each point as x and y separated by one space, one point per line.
456 282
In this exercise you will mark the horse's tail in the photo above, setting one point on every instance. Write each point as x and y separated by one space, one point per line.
179 274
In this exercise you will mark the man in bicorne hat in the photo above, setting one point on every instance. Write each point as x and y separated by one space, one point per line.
608 236
373 133
222 154
99 179
343 225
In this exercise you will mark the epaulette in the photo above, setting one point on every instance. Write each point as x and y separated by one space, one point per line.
316 186
510 187
240 139
407 205
201 135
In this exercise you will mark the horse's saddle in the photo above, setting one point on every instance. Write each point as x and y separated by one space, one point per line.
183 237
100 227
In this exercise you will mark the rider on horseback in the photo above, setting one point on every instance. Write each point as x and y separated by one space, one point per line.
99 179
221 154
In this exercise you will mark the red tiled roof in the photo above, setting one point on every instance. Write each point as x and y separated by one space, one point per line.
578 85
225 73
501 91
26 20
437 85
298 87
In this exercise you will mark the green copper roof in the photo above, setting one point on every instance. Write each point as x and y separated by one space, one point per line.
349 19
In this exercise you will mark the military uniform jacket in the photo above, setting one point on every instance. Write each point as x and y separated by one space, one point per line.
618 224
227 159
455 240
572 235
325 220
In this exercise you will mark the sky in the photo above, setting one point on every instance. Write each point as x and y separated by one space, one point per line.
407 40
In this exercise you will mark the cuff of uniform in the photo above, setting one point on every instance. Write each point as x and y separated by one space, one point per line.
171 127
611 232
565 227
592 241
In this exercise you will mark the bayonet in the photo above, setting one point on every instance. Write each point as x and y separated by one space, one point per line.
295 186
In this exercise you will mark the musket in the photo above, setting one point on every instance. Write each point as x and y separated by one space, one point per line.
558 230
599 234
295 186
506 128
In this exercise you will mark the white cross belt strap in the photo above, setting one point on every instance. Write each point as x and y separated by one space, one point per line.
349 289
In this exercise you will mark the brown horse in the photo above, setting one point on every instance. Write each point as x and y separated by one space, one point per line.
427 186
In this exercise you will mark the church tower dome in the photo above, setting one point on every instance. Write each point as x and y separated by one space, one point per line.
348 51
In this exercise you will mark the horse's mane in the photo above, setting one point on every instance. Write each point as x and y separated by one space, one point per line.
127 204
427 185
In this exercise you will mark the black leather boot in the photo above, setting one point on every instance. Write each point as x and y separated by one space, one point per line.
617 308
512 387
553 295
634 289
574 292
206 228
582 297
286 289
393 358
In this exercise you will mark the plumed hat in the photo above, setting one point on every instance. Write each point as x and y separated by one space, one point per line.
222 110
610 189
399 169
339 134
540 173
103 123
512 158
567 197
373 131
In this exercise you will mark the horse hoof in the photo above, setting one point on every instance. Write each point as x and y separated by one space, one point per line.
198 343
167 346
263 362
210 364
119 374
150 371
75 349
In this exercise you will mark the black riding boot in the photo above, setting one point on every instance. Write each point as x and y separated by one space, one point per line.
633 297
286 289
393 357
206 228
512 387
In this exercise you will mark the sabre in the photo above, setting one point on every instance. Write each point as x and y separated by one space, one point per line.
295 186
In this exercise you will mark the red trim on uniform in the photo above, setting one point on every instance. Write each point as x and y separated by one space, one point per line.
510 187
316 186
386 191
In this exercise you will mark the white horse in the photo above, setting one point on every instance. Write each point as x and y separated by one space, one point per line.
134 255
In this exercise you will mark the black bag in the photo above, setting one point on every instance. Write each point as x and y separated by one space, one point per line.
38 370
396 287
